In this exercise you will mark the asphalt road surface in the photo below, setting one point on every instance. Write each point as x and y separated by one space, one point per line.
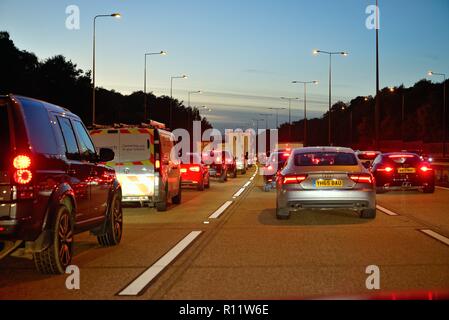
211 248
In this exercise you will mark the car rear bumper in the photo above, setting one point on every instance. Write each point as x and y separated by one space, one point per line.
326 199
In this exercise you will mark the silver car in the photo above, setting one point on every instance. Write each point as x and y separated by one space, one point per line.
325 178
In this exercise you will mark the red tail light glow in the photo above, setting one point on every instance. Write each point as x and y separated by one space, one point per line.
425 169
23 176
294 179
395 156
21 162
195 169
386 169
361 178
286 155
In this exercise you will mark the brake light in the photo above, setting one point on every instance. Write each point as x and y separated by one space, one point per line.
386 169
370 154
270 167
294 179
22 174
425 168
218 159
361 178
183 170
21 162
286 155
395 156
195 169
158 164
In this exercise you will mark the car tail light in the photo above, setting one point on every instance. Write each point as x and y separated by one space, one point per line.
286 155
294 179
22 174
425 168
195 169
395 156
385 169
183 170
2 229
217 159
361 178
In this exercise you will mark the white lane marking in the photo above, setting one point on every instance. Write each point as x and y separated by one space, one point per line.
386 211
442 188
206 222
146 277
247 184
252 178
238 193
220 210
436 236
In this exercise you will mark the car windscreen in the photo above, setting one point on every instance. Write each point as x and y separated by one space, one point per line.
5 145
325 159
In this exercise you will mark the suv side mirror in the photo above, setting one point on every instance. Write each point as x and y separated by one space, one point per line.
106 155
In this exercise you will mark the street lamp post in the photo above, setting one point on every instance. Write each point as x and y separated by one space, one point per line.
115 15
342 53
289 115
171 96
163 53
193 92
431 73
266 115
277 115
257 133
305 106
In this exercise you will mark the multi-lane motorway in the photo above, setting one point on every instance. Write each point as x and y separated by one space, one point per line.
225 243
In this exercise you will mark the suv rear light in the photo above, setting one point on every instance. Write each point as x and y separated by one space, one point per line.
22 174
158 164
361 178
395 156
294 179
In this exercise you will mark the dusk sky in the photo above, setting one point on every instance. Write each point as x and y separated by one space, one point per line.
242 53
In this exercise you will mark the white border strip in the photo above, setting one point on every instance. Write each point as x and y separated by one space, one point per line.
386 211
247 184
238 193
220 210
146 277
436 236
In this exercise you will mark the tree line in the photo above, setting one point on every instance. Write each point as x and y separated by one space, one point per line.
59 81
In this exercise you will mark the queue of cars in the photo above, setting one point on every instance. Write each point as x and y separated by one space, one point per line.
339 178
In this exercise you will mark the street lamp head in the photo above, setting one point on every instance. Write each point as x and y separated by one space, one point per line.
315 52
345 54
316 82
430 73
391 89
163 53
184 77
116 15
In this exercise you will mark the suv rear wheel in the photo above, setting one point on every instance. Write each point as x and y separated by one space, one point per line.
114 224
429 189
224 176
56 258
368 214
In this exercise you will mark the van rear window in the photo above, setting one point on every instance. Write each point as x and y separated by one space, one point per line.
40 130
5 143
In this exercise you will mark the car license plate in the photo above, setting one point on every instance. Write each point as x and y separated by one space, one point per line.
406 170
329 183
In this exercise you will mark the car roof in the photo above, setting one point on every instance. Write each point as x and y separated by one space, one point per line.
399 152
323 149
49 106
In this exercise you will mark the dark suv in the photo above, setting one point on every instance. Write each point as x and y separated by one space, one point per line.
220 164
52 184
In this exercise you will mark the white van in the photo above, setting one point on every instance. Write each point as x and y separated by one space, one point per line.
142 163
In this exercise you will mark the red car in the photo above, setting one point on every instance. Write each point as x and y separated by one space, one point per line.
194 172
402 171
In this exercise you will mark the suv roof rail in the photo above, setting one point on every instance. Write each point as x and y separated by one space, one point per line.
150 124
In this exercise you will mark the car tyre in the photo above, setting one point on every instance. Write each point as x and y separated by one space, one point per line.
282 214
234 173
162 206
200 186
368 214
429 189
56 258
113 225
224 176
207 186
177 199
266 188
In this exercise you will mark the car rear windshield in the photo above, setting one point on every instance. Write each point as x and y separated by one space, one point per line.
278 158
5 145
367 156
325 159
403 159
